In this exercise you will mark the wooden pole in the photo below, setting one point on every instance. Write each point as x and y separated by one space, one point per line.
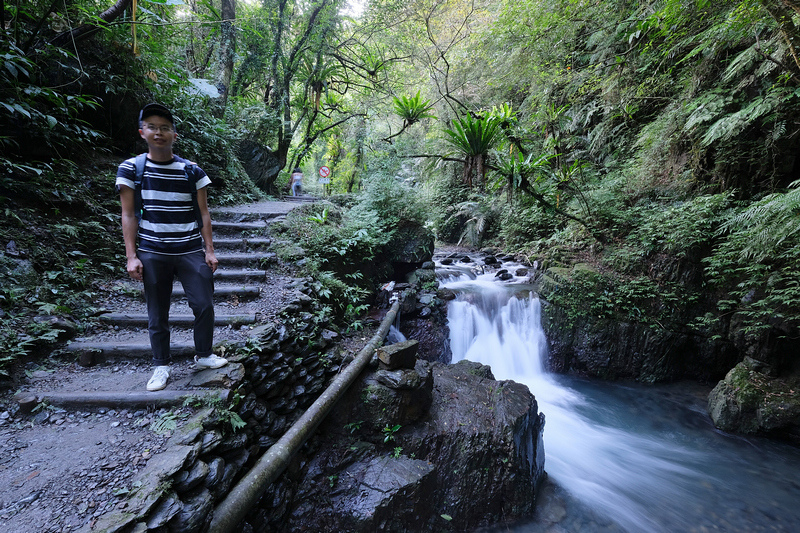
246 493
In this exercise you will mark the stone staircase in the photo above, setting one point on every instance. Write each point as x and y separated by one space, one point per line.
247 295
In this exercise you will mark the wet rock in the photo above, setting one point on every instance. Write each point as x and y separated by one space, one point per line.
186 480
216 470
192 513
421 276
750 400
167 508
504 275
399 355
378 495
479 441
210 441
446 294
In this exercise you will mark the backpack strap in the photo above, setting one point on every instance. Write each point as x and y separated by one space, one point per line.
139 164
190 169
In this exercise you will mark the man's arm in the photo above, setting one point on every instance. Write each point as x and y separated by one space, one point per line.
130 227
206 231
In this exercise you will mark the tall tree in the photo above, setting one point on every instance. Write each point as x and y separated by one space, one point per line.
227 47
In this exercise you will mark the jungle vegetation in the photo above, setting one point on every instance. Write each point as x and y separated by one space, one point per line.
648 139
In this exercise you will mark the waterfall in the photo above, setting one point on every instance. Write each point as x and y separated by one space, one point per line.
619 450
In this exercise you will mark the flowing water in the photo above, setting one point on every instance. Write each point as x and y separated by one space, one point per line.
622 457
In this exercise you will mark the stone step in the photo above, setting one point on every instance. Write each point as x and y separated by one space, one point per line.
115 399
245 275
300 199
243 292
242 244
95 352
253 259
250 212
256 228
140 319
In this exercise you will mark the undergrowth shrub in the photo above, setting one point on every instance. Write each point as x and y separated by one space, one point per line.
341 245
586 293
523 223
756 262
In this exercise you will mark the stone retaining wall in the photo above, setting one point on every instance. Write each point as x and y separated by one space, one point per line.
285 372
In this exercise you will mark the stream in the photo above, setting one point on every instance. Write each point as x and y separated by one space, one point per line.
621 457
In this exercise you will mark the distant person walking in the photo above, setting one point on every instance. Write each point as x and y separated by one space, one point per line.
297 182
165 202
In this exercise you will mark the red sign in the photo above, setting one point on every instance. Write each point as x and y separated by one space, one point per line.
324 172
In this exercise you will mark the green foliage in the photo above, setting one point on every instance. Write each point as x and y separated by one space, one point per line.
165 423
387 202
679 229
524 224
389 432
412 108
768 224
33 114
756 261
354 426
477 219
586 293
474 136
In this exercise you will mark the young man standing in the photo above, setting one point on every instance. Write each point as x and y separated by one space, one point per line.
174 230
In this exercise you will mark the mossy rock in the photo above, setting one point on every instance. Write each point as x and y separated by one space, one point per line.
752 402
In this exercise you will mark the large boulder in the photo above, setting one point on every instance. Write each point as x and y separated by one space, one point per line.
410 247
473 459
752 400
605 343
260 163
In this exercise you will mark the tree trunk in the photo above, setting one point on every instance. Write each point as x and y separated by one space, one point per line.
227 49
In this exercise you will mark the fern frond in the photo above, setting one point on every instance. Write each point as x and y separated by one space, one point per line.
731 125
768 224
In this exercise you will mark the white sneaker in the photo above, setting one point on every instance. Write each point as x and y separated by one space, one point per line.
212 361
159 379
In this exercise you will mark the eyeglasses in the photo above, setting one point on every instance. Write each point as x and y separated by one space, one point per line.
162 129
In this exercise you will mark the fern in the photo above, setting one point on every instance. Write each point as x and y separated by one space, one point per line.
767 224
729 126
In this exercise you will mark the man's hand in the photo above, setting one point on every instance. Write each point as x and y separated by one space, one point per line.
211 260
135 268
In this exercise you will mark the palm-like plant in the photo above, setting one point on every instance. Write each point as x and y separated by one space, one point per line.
474 137
317 77
412 109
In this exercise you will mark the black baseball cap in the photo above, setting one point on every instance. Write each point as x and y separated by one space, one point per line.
155 109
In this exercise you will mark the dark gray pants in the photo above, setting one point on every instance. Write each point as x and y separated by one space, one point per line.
159 273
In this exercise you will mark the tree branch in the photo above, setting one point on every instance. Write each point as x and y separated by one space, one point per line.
87 30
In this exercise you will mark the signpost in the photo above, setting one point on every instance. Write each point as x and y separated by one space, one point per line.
324 175
325 178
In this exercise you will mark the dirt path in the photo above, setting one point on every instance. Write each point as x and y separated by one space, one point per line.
63 465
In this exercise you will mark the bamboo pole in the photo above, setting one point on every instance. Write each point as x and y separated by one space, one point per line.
246 493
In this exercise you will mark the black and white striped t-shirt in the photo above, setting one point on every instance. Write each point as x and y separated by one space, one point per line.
168 224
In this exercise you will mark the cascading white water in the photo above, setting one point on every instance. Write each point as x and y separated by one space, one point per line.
643 473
